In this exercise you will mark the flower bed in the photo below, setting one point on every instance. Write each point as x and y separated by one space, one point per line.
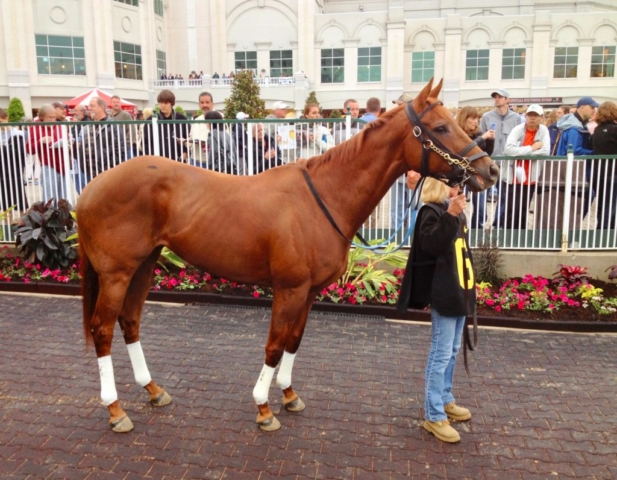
527 298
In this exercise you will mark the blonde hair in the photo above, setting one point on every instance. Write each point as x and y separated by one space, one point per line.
434 191
147 113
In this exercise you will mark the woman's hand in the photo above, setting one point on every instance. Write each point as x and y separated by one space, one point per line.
457 204
490 135
412 179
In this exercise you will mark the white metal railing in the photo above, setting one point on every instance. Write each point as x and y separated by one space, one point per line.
208 82
569 206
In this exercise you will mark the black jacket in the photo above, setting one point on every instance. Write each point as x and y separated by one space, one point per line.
439 270
485 145
260 163
168 137
102 146
605 139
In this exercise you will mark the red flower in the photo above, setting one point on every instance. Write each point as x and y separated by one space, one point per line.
256 294
521 305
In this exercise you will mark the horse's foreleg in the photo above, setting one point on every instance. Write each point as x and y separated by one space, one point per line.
129 320
108 304
291 400
288 306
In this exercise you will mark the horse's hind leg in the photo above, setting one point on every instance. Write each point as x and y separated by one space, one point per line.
129 320
112 289
291 400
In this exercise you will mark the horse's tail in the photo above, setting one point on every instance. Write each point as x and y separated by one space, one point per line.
89 293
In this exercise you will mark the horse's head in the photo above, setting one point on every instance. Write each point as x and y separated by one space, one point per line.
447 152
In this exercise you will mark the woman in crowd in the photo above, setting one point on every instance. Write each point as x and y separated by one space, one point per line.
604 171
468 119
439 273
266 153
313 138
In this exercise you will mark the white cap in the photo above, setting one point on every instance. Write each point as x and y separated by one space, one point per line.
241 116
280 106
535 108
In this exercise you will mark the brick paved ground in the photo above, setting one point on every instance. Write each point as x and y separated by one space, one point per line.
543 404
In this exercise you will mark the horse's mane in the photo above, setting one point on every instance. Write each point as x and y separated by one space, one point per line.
347 151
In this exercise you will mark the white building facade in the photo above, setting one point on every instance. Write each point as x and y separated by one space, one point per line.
554 51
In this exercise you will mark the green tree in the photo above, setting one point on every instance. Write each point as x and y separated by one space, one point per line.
335 114
181 110
245 97
15 110
312 98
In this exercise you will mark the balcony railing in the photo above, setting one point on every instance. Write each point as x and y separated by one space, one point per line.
209 82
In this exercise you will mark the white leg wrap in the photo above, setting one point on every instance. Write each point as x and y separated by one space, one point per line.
283 379
108 384
140 369
260 392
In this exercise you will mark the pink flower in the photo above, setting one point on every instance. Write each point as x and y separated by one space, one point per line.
157 271
173 282
256 294
490 302
498 308
521 304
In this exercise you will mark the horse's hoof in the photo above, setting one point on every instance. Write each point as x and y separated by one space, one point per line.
269 424
161 399
295 405
122 425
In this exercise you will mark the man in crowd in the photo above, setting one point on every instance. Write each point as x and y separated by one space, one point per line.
101 143
340 133
573 131
501 120
80 114
172 136
552 128
130 131
200 131
373 109
528 139
61 112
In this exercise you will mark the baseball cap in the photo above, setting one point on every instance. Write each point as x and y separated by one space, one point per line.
535 108
502 92
279 106
586 101
58 105
241 116
404 98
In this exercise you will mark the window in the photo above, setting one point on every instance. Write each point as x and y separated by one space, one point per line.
422 66
127 57
513 64
369 64
246 61
333 65
134 3
158 7
161 62
59 55
603 61
281 63
476 67
566 62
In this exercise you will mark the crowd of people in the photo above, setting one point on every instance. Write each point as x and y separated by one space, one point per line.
503 130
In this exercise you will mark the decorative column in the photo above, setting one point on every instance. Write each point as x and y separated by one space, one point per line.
18 31
101 14
263 57
351 63
539 55
304 54
453 57
394 57
218 37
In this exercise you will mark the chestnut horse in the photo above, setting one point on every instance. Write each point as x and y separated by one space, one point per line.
265 229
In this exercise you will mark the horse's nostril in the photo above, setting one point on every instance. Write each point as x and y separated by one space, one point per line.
494 170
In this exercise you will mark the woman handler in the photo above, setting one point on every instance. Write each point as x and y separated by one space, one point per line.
439 273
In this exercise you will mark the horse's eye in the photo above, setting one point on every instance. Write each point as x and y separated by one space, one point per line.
441 129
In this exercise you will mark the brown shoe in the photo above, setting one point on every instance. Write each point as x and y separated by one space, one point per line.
442 430
456 413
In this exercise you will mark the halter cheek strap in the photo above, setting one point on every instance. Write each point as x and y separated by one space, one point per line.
461 167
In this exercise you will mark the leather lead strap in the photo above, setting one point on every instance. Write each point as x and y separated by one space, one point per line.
467 342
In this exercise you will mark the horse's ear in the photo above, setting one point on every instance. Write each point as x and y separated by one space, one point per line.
435 91
424 94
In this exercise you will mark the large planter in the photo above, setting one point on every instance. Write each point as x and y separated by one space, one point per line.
388 312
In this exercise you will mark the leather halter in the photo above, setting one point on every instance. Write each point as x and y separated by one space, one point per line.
461 165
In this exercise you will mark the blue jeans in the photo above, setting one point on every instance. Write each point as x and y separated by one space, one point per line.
52 184
446 333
